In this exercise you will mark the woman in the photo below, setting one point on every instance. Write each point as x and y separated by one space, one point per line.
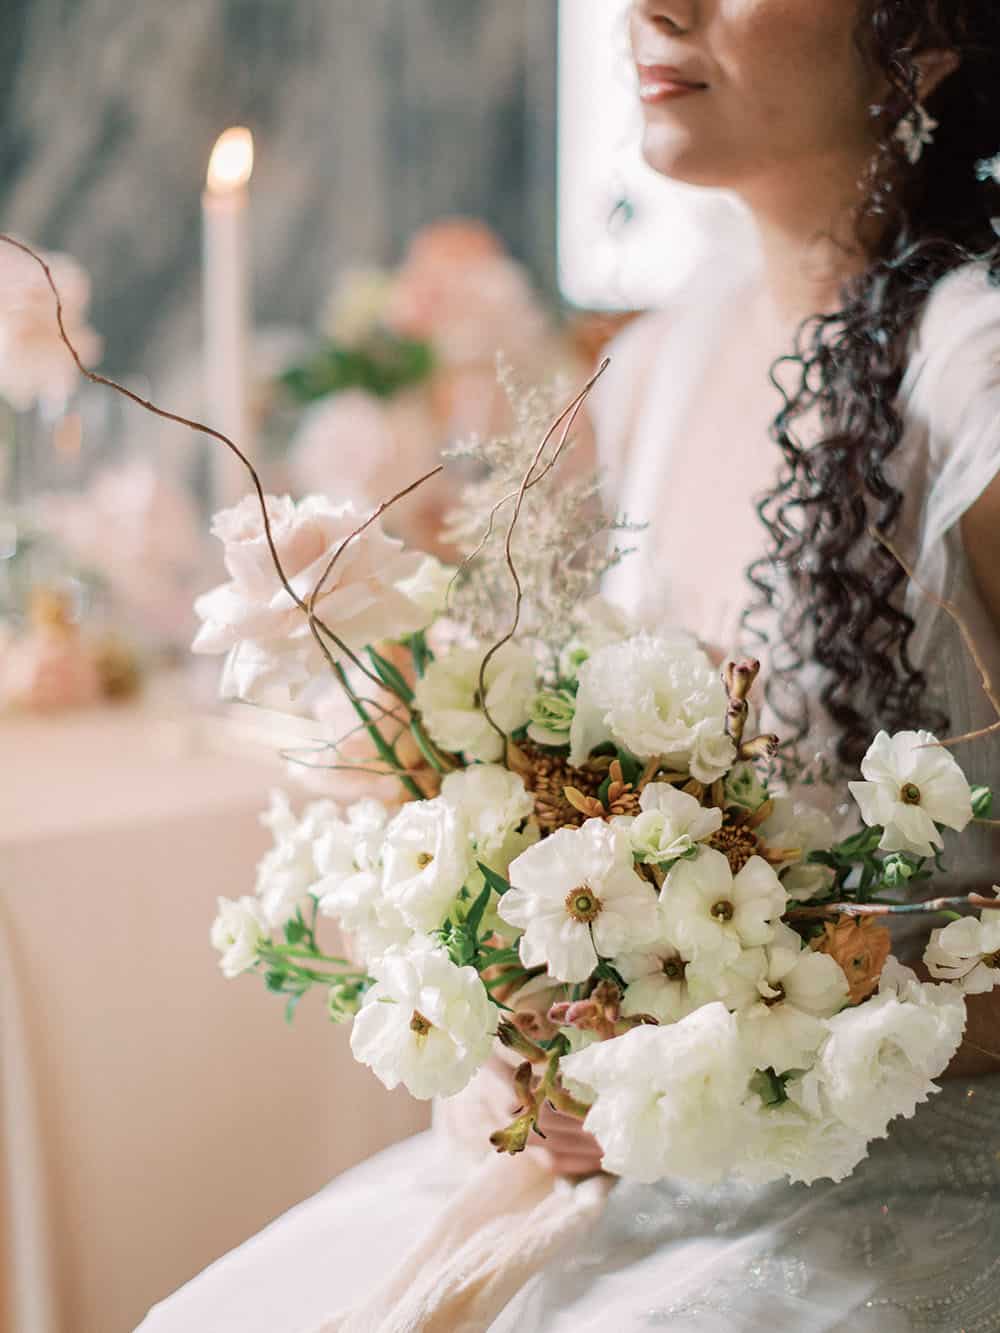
853 133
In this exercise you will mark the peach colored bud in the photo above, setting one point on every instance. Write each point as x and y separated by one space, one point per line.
861 947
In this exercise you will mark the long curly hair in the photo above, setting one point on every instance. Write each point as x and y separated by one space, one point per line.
845 611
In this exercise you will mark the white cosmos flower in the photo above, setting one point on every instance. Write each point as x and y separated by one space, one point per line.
967 952
272 655
447 697
912 784
881 1057
670 824
782 991
667 1101
793 830
349 860
426 858
425 1023
662 983
236 932
287 874
708 910
655 696
576 896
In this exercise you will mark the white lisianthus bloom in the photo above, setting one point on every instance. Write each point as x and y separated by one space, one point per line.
428 587
668 1101
577 897
911 785
787 1141
272 654
287 874
236 932
492 800
447 697
967 952
662 983
881 1057
654 696
348 858
792 831
785 991
708 910
425 1023
426 858
670 824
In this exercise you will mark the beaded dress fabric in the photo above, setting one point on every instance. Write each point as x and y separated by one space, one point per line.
911 1241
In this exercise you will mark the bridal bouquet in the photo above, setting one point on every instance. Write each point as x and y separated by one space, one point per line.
598 863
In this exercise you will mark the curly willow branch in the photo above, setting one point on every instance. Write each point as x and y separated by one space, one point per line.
316 624
568 416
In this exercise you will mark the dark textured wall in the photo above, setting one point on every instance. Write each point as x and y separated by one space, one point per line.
371 117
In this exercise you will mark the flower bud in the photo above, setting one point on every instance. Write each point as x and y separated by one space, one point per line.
897 870
982 802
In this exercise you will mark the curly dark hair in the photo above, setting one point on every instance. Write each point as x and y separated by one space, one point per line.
928 218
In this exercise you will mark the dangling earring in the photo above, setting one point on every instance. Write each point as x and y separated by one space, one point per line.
916 132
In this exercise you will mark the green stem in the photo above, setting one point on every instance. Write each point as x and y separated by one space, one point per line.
293 951
386 752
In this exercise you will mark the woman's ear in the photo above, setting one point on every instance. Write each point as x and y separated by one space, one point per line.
934 67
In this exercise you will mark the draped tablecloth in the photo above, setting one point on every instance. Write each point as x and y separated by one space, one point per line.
152 1115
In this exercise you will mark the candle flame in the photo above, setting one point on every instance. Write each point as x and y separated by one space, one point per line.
231 162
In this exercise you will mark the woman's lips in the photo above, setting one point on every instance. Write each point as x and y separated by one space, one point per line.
660 83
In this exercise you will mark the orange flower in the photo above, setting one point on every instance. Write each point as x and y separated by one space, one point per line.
861 947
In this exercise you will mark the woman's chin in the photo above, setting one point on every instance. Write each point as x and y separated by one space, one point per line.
674 152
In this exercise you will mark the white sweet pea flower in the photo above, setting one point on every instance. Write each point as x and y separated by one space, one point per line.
662 983
236 932
272 655
577 897
428 587
288 873
670 824
667 1101
881 1057
348 858
426 858
447 697
493 801
782 991
425 1023
792 831
708 910
912 785
967 952
655 696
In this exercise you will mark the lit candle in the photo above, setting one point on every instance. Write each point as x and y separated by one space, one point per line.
226 308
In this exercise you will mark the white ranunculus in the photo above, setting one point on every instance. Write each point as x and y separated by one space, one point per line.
662 983
426 858
709 911
967 952
577 897
793 988
287 874
428 587
492 800
911 785
425 1023
348 858
654 696
668 1101
670 824
272 654
35 364
236 932
447 697
881 1057
792 831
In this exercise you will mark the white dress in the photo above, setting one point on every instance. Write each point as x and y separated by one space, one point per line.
912 1239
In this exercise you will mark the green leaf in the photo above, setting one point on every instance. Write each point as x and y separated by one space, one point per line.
292 1005
631 767
421 654
295 930
496 882
275 981
390 677
475 918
